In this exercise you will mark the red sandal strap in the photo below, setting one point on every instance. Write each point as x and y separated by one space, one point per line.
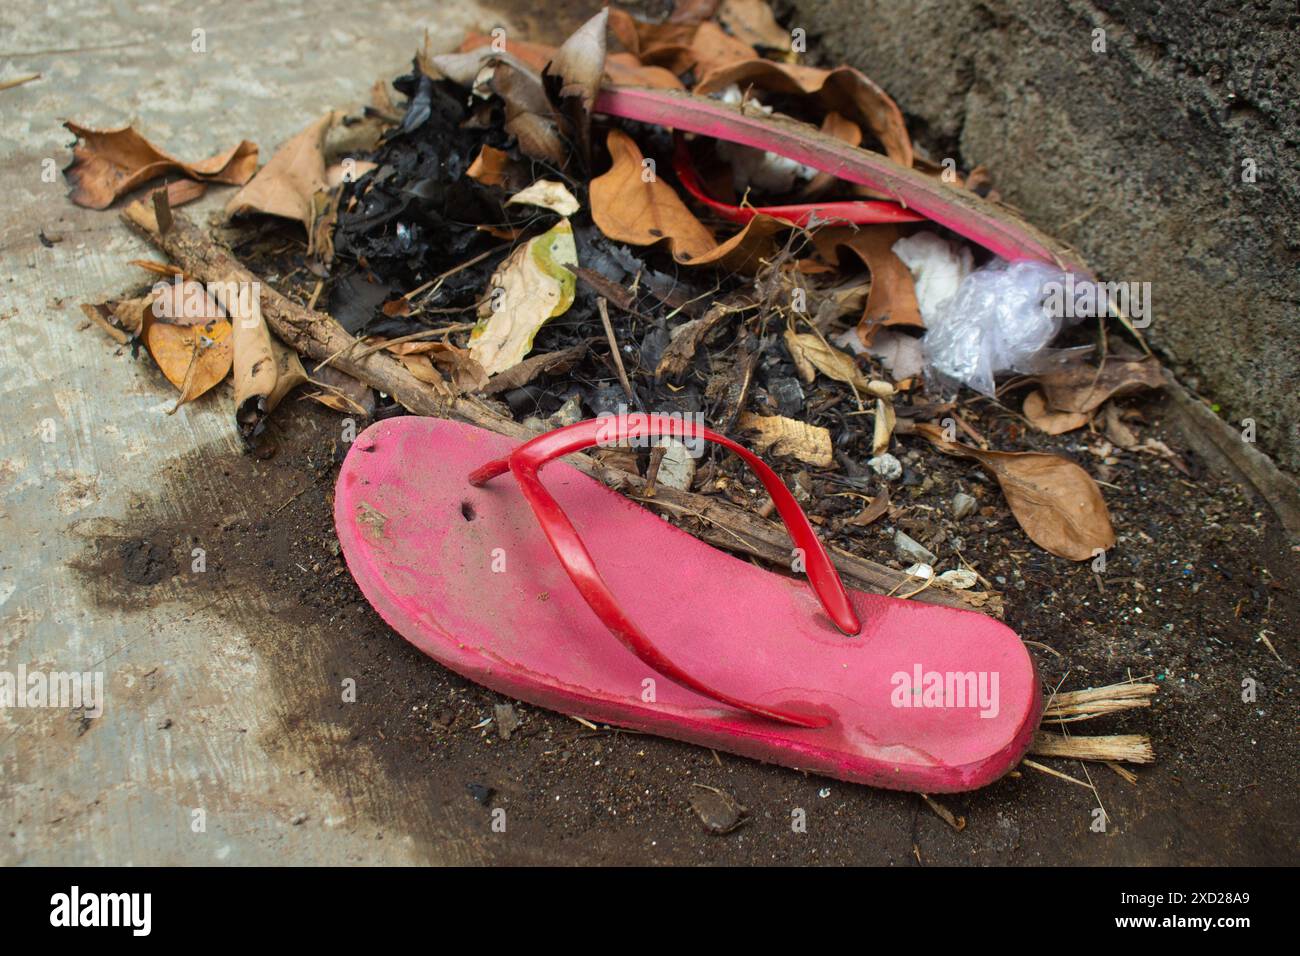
525 462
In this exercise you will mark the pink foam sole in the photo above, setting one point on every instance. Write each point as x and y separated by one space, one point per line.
466 575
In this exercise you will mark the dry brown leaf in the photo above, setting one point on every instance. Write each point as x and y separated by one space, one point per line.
639 37
1118 433
465 373
631 204
843 90
574 76
877 507
846 131
289 373
686 338
1049 420
181 191
623 69
540 131
343 393
1079 388
265 370
811 353
892 299
496 167
287 185
479 52
1055 501
545 364
193 357
421 366
753 22
786 436
513 74
108 163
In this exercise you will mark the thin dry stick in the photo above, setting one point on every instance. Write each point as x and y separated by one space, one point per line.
944 814
13 81
437 280
1056 773
613 349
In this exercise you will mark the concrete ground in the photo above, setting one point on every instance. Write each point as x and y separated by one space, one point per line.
124 792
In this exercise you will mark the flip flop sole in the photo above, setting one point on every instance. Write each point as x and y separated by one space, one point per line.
925 698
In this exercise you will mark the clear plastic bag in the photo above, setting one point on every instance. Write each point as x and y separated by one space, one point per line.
995 322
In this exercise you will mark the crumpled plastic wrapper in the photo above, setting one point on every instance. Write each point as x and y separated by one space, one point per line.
996 321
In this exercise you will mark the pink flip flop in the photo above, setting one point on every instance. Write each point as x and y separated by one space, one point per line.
493 580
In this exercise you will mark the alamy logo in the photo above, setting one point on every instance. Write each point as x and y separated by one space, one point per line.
609 434
103 909
67 690
943 689
1086 299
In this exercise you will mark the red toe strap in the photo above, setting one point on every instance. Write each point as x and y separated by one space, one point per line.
525 462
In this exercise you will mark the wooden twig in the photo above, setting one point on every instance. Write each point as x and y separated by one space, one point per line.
603 308
319 336
1129 748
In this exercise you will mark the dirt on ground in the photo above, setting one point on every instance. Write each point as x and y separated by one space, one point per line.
1198 581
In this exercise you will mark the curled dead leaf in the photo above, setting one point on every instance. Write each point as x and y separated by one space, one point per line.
547 363
1049 420
843 90
892 299
1082 388
287 185
686 338
1056 502
573 77
811 353
753 22
108 163
631 204
883 427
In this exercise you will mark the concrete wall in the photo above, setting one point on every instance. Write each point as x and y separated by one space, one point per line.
1134 155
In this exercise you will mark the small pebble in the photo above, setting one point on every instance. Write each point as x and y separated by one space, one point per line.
886 466
963 505
912 551
717 809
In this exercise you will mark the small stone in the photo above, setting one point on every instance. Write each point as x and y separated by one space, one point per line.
299 819
886 466
963 505
506 720
480 792
165 723
788 395
568 414
908 549
717 809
